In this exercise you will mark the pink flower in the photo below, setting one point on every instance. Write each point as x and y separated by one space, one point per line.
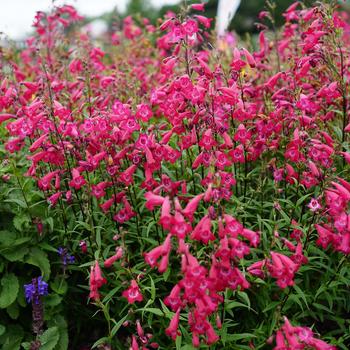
45 182
237 154
242 135
96 281
165 217
133 293
325 236
134 344
212 337
110 261
52 200
143 112
78 181
172 330
207 141
198 7
205 21
314 205
202 232
173 300
191 206
153 200
256 269
190 27
126 176
180 227
152 256
163 252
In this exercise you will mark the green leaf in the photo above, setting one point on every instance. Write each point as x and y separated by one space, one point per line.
153 289
234 304
101 341
284 215
2 329
271 305
98 237
187 347
7 238
22 240
59 285
13 311
19 202
244 297
61 323
39 258
178 342
9 290
322 307
14 253
233 337
166 274
49 221
26 345
20 220
292 300
49 338
52 300
110 295
63 341
13 338
301 294
302 199
152 310
118 324
47 247
169 314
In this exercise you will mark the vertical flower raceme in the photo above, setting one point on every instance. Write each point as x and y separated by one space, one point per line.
96 281
66 258
34 293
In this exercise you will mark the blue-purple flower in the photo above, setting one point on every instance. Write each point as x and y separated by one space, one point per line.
65 256
34 290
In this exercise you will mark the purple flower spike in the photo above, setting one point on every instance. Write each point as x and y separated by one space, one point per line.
34 290
65 256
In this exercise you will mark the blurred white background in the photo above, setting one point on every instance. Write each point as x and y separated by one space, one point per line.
16 16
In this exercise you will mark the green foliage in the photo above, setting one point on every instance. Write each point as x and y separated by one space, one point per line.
9 290
49 338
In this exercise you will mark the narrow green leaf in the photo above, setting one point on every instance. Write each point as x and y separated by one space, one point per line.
271 306
101 341
117 326
152 310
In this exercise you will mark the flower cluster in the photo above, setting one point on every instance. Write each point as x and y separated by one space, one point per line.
35 290
290 337
336 232
133 293
214 167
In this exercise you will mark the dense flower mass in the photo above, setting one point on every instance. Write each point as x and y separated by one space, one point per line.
188 179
